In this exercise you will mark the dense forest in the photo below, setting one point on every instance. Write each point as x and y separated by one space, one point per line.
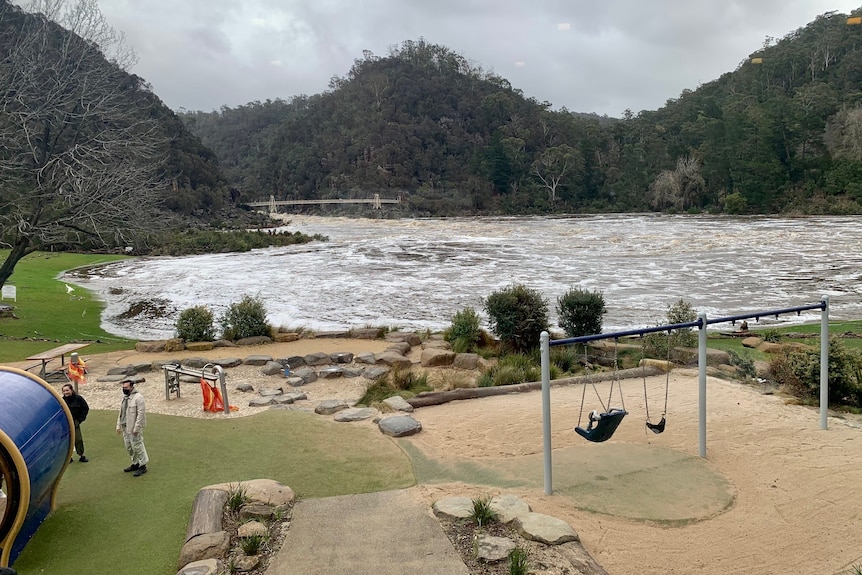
781 133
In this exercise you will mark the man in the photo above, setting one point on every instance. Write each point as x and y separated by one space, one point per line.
79 408
131 422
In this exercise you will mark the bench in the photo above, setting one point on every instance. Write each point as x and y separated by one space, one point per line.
50 354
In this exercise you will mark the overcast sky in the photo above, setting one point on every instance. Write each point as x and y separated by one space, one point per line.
587 55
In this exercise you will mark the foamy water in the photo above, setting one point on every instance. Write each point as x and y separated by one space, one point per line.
417 273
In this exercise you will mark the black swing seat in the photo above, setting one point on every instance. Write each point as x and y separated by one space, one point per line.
605 426
657 427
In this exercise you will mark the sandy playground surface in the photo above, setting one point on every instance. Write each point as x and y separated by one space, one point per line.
794 491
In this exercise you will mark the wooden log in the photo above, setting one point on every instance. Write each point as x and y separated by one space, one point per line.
440 397
207 512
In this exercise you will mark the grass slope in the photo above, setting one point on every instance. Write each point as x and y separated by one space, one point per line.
47 315
110 522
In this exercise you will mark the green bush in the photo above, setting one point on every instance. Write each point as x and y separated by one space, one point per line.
580 312
799 372
196 324
744 363
464 334
519 561
518 315
482 513
245 319
772 335
658 344
513 369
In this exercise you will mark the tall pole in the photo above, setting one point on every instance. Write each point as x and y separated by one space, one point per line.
544 341
701 379
824 361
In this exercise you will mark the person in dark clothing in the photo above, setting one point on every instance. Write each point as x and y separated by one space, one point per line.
79 408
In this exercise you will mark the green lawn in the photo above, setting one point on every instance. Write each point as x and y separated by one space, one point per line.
110 522
47 315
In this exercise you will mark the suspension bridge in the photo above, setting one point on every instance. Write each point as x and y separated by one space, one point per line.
272 205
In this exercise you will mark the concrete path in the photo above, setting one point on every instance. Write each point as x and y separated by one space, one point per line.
385 533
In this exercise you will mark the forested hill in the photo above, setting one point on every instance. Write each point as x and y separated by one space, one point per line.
782 132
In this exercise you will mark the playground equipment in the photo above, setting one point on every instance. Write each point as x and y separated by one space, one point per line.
701 324
36 442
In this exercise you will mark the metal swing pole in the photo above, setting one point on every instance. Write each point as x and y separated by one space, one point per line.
824 361
701 379
544 342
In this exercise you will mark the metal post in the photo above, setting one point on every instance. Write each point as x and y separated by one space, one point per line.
824 361
701 378
544 341
220 371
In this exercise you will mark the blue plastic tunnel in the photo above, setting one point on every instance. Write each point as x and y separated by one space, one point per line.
36 442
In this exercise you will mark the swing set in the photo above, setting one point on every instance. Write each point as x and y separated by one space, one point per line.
597 431
602 425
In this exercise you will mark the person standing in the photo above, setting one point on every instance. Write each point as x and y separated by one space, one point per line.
79 409
131 422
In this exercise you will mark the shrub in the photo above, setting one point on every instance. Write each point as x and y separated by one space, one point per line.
517 315
513 369
580 312
245 319
401 382
196 324
237 497
253 544
772 335
799 372
744 363
483 513
464 334
658 344
519 563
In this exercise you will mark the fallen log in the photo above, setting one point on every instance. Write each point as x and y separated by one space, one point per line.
207 512
427 398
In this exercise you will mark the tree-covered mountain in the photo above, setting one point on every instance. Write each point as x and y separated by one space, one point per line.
781 132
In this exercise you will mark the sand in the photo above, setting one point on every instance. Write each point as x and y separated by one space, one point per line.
796 496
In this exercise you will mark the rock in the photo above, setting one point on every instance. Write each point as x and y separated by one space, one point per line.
111 378
409 337
491 549
261 402
399 426
271 392
205 546
352 371
364 357
293 361
150 346
244 387
355 414
365 333
341 357
283 399
282 337
661 364
255 510
436 344
224 343
195 362
340 334
246 563
254 340
228 361
545 529
318 358
142 366
265 491
392 359
375 373
257 360
433 357
199 345
509 507
468 361
769 347
453 507
751 342
272 368
330 373
307 374
398 403
122 370
330 406
294 381
252 528
402 348
203 567
174 344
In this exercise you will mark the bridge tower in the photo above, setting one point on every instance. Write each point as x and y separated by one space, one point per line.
376 204
272 208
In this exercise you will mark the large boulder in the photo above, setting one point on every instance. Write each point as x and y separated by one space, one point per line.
393 359
399 426
435 357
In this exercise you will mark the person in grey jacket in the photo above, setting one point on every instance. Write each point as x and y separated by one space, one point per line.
131 422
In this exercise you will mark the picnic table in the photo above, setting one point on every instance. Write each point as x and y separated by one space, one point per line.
50 354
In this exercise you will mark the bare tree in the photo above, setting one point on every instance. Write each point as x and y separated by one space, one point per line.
680 188
554 164
79 144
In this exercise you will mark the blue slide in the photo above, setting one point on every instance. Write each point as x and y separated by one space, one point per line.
36 442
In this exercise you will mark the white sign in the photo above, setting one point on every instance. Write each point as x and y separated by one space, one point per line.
9 292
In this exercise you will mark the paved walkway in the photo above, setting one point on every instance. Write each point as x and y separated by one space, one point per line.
384 533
